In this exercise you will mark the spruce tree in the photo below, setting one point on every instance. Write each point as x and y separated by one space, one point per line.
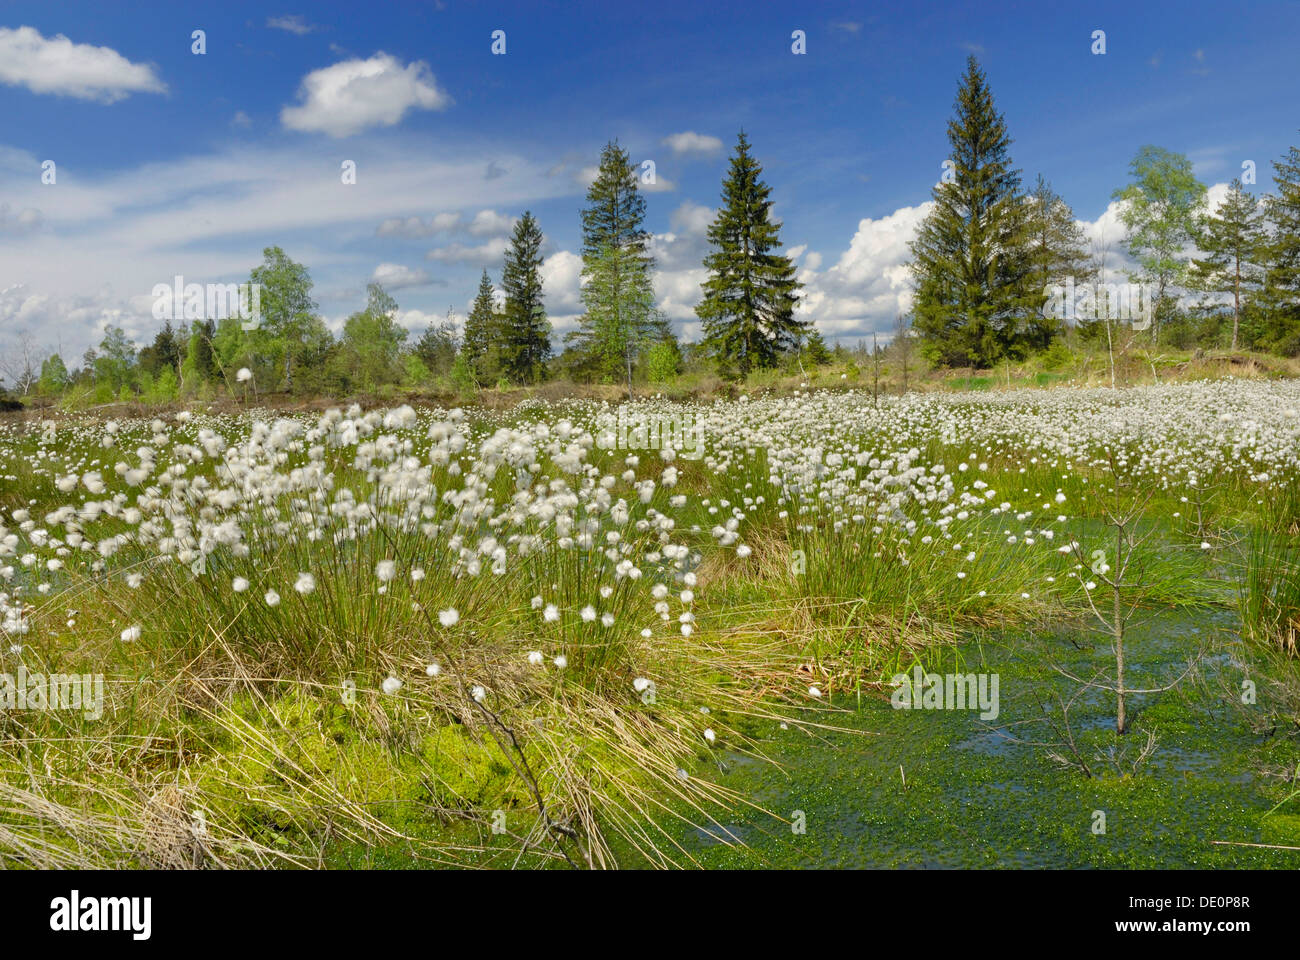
621 320
481 333
751 290
1057 249
1282 286
436 348
815 350
615 209
971 261
615 267
525 341
1232 241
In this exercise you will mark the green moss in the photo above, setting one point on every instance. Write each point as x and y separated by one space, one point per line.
1282 829
467 772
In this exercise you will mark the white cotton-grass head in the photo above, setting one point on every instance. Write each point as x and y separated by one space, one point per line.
588 614
561 661
433 670
305 584
449 617
239 584
815 692
391 685
535 657
551 613
272 598
478 693
131 633
244 375
385 570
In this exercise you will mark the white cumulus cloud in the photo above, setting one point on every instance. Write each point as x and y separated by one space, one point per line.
354 95
57 65
396 276
870 283
489 223
480 256
561 283
688 141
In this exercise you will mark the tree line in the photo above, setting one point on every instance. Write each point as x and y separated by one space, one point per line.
747 314
983 264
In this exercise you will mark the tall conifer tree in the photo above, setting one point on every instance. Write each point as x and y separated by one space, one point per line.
617 294
525 341
1232 241
971 259
1057 249
481 333
1282 290
751 290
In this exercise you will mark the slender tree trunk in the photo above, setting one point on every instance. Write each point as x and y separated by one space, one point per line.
1110 344
1236 303
875 372
1110 349
1160 309
1121 723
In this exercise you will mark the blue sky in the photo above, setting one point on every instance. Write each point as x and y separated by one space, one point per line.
168 162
